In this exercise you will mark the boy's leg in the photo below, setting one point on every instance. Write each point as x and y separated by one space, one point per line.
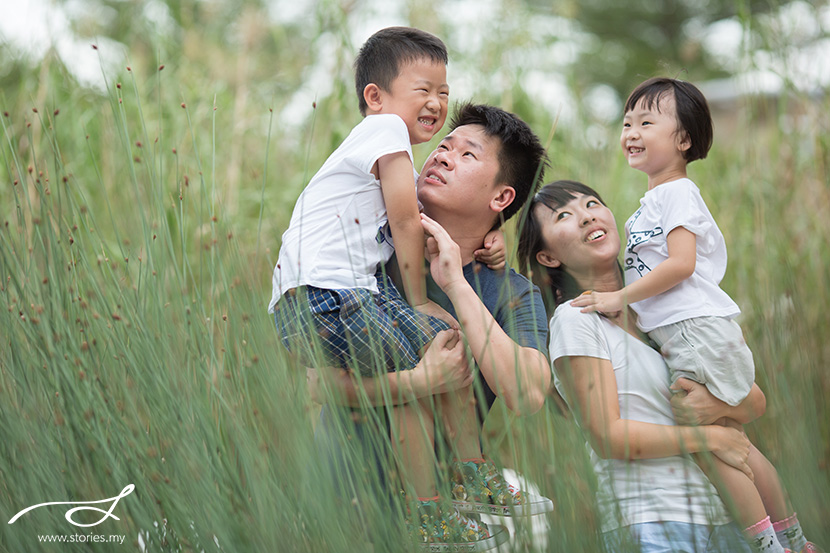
413 439
458 416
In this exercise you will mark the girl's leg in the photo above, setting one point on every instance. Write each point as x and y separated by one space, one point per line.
735 488
775 499
742 498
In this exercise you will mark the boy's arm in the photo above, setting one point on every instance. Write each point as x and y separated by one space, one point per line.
678 267
494 252
398 186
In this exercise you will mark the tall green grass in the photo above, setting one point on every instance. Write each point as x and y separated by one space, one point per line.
135 262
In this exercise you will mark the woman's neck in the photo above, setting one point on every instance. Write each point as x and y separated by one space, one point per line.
609 280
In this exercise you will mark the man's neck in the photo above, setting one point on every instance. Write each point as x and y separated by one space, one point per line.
468 235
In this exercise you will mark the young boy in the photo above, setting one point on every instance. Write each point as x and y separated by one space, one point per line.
328 291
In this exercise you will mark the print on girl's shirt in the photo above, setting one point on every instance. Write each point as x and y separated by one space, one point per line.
635 238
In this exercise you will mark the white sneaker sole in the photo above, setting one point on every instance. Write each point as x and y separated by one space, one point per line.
533 505
498 536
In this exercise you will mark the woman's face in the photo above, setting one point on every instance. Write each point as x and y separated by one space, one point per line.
580 236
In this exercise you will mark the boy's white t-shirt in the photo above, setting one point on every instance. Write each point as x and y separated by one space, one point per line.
662 209
640 490
338 234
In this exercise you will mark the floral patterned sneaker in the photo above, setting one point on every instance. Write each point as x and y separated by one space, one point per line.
439 527
479 487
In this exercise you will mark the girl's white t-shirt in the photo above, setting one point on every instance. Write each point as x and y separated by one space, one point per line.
662 209
338 233
643 490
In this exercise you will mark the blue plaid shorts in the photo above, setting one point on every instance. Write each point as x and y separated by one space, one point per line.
354 328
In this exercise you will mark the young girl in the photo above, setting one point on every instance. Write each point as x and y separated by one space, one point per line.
674 260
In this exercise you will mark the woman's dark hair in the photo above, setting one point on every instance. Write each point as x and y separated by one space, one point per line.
693 116
556 284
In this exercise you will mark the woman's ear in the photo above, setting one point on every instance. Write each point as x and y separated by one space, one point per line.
374 98
544 258
504 199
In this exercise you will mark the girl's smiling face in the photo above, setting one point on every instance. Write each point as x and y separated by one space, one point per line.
653 141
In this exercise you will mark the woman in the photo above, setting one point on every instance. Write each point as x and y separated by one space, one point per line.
618 386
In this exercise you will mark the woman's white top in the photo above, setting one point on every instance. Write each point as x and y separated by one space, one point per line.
645 490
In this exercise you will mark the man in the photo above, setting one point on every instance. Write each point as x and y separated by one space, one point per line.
479 176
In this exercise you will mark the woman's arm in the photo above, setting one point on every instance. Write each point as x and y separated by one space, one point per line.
693 404
592 388
443 368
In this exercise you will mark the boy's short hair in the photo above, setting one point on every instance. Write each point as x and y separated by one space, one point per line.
381 56
693 115
522 158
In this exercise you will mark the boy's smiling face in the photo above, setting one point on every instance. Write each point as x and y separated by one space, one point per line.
418 95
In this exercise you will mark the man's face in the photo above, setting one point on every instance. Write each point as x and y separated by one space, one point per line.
459 177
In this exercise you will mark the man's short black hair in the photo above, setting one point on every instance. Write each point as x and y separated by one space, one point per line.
381 56
522 159
693 116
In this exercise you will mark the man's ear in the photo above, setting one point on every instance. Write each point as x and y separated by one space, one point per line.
547 260
374 98
506 196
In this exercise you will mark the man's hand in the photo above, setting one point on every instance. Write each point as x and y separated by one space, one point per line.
315 387
694 405
494 252
444 367
604 302
434 310
443 254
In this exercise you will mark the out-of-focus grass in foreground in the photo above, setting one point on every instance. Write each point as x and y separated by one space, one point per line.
136 347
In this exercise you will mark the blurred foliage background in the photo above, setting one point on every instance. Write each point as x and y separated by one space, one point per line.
151 155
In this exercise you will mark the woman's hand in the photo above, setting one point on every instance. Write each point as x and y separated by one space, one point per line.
443 254
444 367
732 447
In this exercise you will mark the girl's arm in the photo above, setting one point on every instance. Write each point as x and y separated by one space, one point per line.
675 269
398 187
592 389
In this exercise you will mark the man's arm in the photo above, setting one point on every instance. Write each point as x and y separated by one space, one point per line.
519 375
693 404
443 368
